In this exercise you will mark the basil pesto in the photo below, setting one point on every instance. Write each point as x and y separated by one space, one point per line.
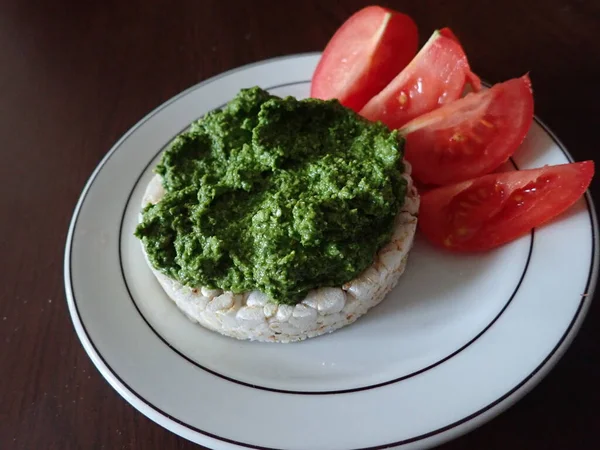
275 194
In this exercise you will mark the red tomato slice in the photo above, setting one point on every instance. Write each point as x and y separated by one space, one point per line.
436 76
471 136
472 79
363 56
492 210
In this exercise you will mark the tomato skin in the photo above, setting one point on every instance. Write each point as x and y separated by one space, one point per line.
437 75
363 55
471 136
489 211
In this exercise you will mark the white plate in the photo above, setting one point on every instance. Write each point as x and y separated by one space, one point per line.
459 340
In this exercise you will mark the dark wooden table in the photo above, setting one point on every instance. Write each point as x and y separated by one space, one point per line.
75 75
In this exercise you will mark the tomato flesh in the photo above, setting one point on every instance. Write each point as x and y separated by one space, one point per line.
436 76
489 211
472 79
363 56
472 136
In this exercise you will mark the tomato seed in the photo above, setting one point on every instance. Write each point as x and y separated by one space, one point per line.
402 99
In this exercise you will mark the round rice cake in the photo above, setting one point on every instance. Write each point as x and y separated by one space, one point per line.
251 316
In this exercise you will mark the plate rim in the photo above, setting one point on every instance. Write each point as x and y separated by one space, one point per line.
183 429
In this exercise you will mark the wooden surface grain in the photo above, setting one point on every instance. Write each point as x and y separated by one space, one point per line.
75 75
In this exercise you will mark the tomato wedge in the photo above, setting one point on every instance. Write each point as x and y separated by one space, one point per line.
472 79
436 76
489 211
471 136
363 56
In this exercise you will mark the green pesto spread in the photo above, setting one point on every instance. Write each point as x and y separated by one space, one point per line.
275 194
